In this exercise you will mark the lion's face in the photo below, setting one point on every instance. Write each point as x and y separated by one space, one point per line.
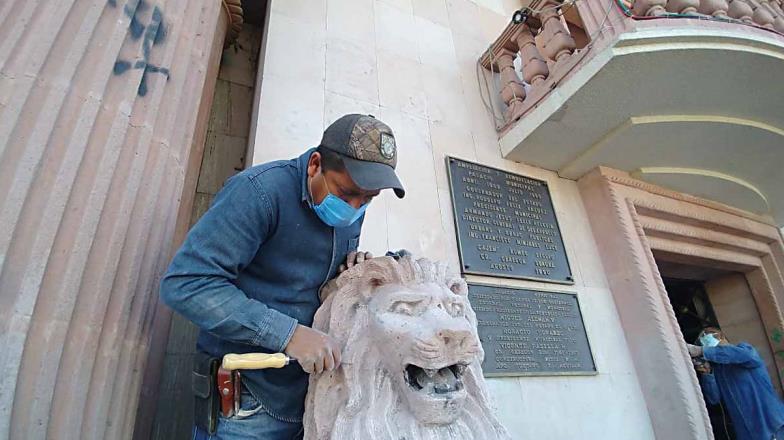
427 342
411 357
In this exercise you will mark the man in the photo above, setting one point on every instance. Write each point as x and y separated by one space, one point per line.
249 272
736 375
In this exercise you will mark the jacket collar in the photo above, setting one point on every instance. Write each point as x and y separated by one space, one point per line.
302 169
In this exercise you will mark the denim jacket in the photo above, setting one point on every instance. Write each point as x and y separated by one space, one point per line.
251 269
741 381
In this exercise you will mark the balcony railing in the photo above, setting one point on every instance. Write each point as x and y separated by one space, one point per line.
765 13
548 39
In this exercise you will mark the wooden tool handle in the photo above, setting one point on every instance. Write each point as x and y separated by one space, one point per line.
254 361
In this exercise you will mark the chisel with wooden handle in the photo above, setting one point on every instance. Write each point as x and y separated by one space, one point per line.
255 361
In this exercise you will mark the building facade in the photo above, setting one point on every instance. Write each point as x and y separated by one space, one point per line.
656 125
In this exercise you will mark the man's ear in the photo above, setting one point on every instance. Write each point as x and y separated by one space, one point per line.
314 164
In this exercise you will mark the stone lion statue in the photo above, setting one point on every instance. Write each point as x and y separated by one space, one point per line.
411 366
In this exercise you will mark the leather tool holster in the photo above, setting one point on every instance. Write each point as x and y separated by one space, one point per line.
205 391
230 389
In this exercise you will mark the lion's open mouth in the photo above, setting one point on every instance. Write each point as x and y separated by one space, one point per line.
435 381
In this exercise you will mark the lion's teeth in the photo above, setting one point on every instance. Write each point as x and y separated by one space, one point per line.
442 388
445 381
437 381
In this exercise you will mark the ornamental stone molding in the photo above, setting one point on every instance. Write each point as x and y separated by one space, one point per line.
635 223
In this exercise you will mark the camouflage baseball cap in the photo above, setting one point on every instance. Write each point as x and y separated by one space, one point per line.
367 147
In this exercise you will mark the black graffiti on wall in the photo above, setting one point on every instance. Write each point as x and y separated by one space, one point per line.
150 34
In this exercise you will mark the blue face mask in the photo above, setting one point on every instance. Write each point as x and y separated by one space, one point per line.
335 212
709 340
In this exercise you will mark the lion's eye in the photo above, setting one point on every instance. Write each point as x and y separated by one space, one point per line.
456 309
405 307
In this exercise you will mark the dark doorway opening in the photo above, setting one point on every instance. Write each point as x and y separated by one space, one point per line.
691 305
694 311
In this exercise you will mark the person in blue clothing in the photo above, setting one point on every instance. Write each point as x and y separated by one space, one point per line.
736 376
249 272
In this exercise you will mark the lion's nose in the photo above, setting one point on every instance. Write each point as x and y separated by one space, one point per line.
453 339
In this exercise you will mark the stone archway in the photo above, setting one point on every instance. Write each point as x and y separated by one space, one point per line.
631 221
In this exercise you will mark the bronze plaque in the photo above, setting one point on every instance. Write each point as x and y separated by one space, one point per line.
506 224
529 332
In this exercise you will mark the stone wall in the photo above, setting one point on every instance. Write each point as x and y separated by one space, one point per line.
412 63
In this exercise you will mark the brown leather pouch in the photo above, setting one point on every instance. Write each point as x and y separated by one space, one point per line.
227 390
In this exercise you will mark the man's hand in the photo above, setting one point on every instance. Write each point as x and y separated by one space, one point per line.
703 368
315 351
694 350
353 258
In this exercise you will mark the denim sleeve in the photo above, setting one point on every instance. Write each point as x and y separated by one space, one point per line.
709 388
742 354
199 282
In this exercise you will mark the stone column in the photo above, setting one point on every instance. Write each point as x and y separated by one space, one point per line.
776 13
716 8
776 6
649 7
740 10
761 15
558 44
103 109
512 90
534 67
683 6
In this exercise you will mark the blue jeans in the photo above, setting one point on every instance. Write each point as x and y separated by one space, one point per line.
251 423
